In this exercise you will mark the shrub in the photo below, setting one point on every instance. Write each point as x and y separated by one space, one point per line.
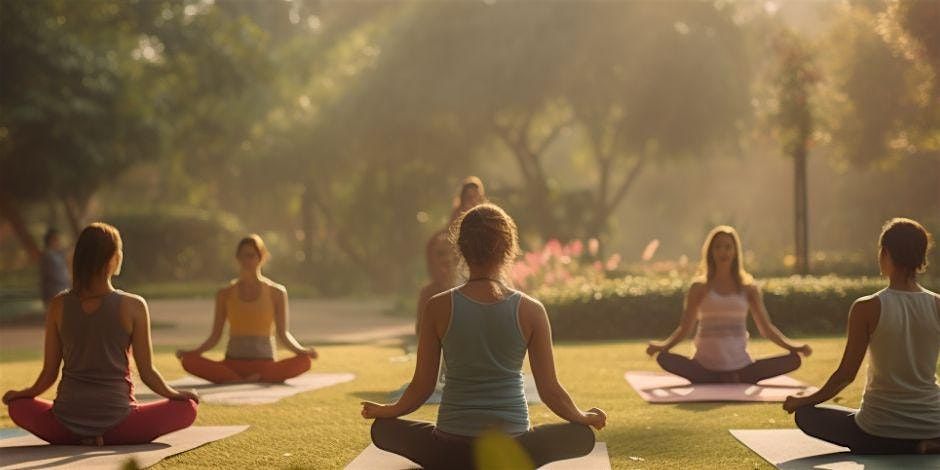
175 244
650 307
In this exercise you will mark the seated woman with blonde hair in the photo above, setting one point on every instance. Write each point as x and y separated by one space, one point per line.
720 302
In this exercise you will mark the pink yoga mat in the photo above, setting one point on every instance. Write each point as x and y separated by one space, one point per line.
659 387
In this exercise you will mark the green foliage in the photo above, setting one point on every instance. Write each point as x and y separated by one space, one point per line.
643 307
176 244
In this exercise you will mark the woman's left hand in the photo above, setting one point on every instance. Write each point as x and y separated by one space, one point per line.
793 402
372 410
803 349
311 352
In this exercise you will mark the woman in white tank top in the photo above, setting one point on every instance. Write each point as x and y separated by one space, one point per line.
899 327
720 305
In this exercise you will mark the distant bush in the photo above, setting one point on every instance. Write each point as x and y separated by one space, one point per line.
176 244
649 307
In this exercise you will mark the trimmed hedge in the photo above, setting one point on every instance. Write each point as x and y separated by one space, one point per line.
643 307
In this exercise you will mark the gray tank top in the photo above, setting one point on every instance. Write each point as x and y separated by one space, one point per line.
96 391
902 396
483 349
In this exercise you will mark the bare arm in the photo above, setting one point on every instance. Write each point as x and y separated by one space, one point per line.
766 328
282 321
863 317
434 322
218 323
692 301
534 322
52 355
142 347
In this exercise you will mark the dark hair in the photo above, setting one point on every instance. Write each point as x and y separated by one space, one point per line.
253 240
50 234
907 242
95 247
486 236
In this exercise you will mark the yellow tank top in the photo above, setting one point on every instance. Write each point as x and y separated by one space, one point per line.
254 318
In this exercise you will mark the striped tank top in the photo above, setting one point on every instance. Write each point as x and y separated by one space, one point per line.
483 350
721 339
96 390
902 397
251 325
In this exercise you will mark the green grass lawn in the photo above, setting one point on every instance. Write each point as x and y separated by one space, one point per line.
323 429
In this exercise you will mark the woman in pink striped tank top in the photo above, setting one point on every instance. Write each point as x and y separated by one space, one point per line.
720 303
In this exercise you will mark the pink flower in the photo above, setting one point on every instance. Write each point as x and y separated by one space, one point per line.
650 249
598 266
613 261
575 248
553 247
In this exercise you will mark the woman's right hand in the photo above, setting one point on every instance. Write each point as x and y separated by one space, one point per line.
654 348
186 395
595 417
12 395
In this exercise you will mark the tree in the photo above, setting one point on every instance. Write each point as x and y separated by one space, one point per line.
796 78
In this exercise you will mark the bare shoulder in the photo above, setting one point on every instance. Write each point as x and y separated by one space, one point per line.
438 307
698 289
278 290
752 290
867 307
56 304
530 306
133 303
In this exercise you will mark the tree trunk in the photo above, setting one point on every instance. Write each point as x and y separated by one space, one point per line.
11 213
801 225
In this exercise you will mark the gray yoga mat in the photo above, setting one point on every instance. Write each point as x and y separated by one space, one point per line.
791 449
373 458
249 393
27 452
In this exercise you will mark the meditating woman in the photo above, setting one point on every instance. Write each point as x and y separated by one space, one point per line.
255 307
484 330
472 193
720 301
91 328
899 327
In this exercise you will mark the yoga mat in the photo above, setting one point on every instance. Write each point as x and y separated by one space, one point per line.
659 387
248 393
374 458
29 452
531 392
791 449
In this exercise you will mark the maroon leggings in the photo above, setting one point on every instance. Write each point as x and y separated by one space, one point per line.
235 370
145 422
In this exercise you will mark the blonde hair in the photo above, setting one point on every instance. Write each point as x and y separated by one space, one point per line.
707 266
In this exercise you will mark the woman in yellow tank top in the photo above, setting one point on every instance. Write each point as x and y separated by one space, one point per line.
256 311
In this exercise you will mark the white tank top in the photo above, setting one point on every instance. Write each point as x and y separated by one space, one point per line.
721 338
902 397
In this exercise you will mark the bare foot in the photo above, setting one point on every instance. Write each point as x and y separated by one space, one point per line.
929 446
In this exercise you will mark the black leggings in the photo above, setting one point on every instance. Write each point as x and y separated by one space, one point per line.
421 442
836 424
752 373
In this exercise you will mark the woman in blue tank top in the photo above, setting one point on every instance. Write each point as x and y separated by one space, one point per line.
484 330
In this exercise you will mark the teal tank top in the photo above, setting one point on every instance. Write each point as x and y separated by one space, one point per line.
483 352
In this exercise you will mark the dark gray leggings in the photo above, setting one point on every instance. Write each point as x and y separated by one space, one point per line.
422 443
752 373
836 424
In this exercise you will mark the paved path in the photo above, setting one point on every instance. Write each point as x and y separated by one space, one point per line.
187 322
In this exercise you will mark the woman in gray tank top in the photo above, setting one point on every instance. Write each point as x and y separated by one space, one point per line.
484 330
90 331
899 327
